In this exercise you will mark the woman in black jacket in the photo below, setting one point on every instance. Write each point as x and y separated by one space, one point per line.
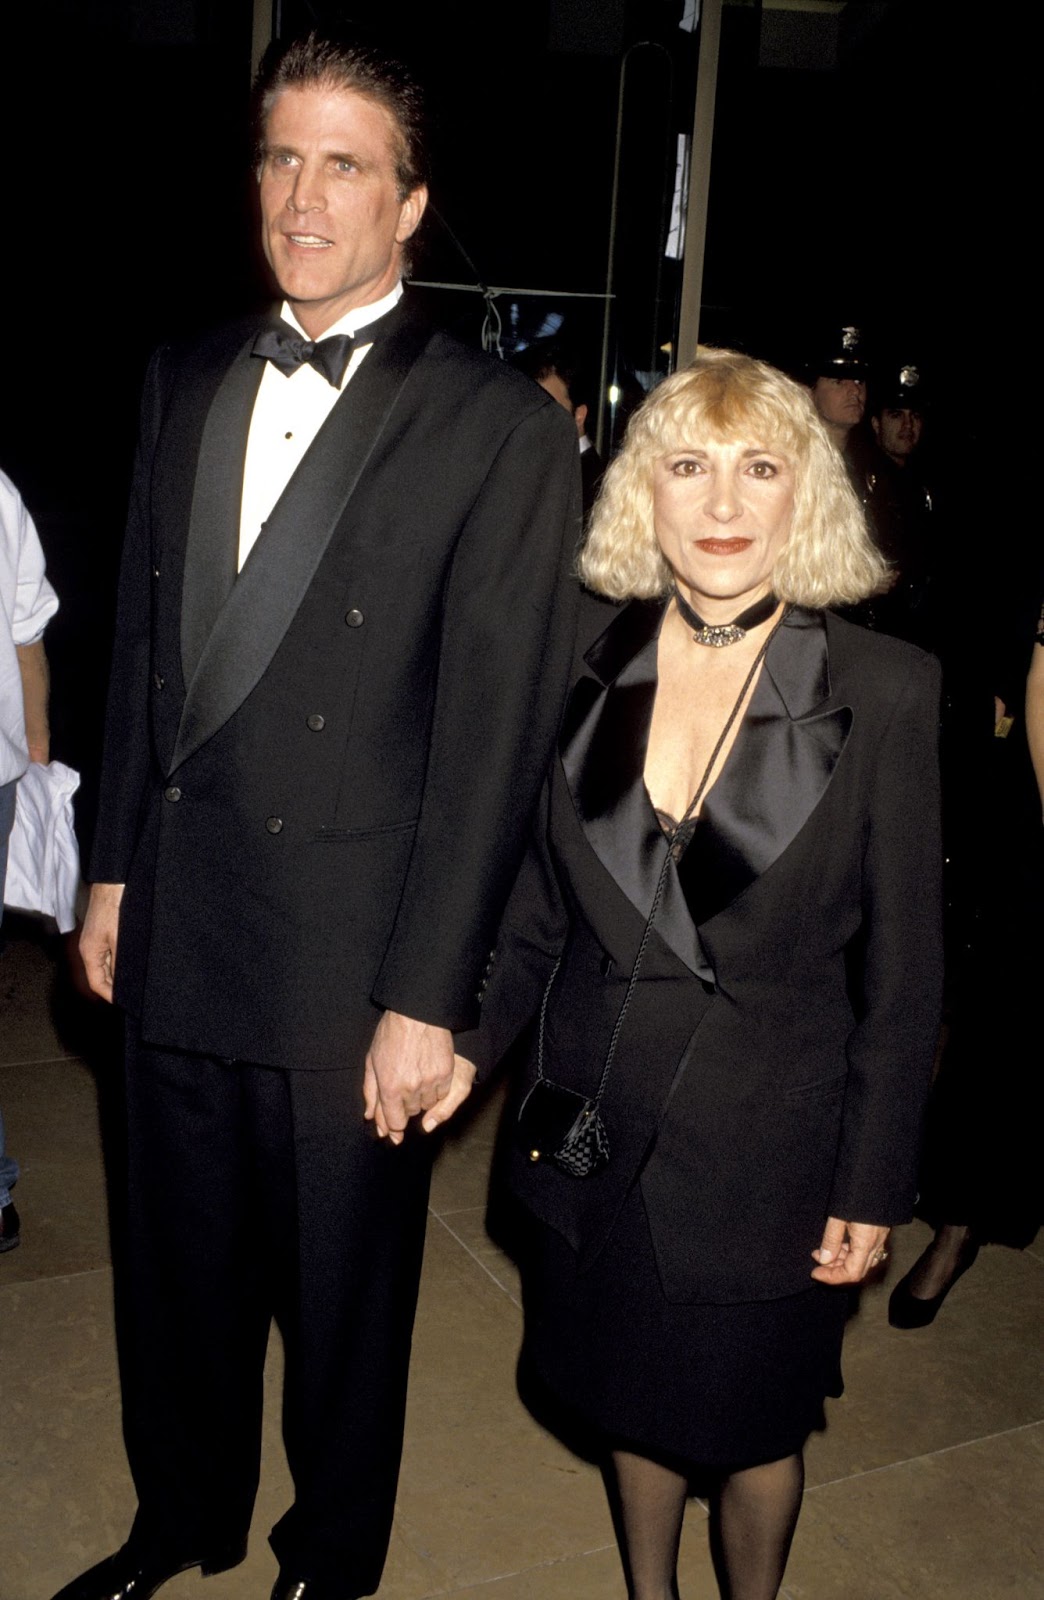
733 898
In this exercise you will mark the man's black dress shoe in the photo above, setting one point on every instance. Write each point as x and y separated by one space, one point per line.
287 1587
132 1575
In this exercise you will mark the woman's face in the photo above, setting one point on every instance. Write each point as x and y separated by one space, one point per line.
722 514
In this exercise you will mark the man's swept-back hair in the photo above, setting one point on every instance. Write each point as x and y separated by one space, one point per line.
333 61
828 559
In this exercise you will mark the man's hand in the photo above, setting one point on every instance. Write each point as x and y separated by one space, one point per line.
847 1261
411 1068
98 939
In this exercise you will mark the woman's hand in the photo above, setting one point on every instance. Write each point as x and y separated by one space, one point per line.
459 1089
848 1259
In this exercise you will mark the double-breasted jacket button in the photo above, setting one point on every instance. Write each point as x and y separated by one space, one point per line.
316 722
484 985
155 572
173 794
354 618
158 679
274 824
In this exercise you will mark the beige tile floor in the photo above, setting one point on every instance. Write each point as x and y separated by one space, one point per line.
928 1483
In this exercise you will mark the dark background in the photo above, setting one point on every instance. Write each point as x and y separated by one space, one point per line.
863 171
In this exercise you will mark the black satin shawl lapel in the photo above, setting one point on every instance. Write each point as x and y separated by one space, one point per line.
779 767
275 578
602 749
777 772
212 547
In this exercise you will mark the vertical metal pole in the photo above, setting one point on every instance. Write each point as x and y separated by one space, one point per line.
610 255
261 32
699 183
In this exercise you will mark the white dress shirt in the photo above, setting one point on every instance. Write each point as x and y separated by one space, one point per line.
43 864
27 604
288 413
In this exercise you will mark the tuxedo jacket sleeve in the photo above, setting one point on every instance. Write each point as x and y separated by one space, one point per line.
895 967
507 639
127 746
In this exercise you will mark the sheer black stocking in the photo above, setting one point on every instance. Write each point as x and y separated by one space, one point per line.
648 1507
950 1253
753 1518
752 1523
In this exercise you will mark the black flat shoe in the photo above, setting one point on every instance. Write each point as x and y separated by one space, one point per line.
131 1575
906 1310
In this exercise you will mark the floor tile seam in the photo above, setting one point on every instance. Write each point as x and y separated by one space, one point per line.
927 1455
453 1211
57 1277
40 1061
478 1262
517 1572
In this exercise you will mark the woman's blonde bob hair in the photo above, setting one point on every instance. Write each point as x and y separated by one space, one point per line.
828 559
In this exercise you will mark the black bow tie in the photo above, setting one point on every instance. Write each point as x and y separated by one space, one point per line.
288 351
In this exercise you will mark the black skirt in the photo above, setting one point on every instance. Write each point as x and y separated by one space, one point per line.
720 1386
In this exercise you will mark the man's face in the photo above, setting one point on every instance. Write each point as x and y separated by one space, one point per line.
332 223
840 401
898 431
553 385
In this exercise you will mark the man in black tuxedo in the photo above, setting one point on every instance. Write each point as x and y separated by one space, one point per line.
344 627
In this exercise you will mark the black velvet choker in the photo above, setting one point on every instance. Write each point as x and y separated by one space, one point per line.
718 635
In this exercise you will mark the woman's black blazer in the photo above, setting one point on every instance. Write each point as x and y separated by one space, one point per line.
775 1057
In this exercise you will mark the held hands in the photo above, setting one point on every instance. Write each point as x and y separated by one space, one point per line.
411 1069
848 1260
98 939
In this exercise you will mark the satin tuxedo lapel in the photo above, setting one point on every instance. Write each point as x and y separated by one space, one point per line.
602 748
237 640
212 547
776 774
777 771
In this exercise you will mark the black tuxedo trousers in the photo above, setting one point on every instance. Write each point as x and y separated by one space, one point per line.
255 1189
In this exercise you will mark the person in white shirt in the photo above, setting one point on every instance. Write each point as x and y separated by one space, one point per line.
27 604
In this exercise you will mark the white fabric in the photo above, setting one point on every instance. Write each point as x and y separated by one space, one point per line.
287 415
43 862
27 604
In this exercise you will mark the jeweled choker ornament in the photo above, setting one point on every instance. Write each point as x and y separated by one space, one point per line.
721 634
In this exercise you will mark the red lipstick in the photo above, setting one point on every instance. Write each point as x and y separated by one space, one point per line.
723 547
